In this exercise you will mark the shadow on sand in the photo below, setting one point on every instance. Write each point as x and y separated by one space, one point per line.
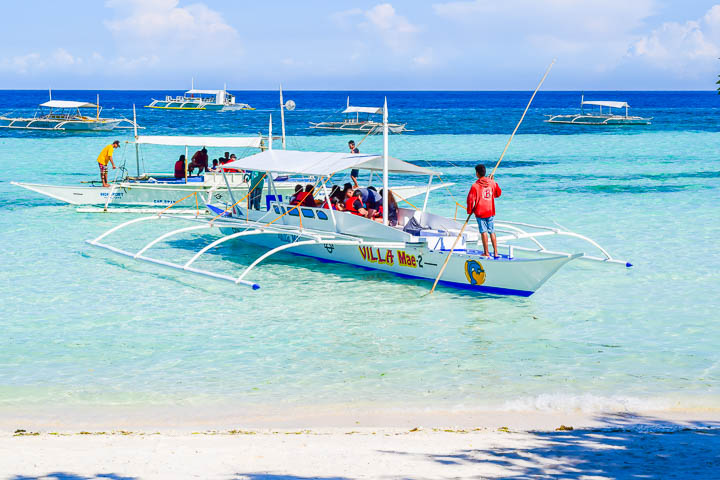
72 476
626 446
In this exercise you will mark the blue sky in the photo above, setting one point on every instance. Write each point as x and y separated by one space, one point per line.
373 45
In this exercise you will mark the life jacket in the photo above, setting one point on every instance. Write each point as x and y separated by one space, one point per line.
304 198
349 207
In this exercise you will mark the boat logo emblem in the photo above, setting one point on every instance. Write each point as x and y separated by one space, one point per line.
329 247
218 196
474 272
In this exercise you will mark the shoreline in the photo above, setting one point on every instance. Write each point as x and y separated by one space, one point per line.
176 420
339 454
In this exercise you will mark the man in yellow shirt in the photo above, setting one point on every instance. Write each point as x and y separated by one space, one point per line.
105 157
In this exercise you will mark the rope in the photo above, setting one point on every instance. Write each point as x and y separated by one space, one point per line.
175 203
299 205
233 205
402 199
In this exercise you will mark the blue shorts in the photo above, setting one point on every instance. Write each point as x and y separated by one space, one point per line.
486 225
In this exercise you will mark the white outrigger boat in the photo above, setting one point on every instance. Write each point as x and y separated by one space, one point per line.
194 99
159 190
353 121
600 118
413 248
65 116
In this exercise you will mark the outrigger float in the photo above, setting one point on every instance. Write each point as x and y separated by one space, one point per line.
417 247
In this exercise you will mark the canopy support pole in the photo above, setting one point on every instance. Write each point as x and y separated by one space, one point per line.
329 203
427 194
137 147
386 161
227 184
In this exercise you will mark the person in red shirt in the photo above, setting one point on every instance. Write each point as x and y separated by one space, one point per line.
481 202
180 167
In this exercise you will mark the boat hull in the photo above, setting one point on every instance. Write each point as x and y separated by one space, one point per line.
465 270
162 195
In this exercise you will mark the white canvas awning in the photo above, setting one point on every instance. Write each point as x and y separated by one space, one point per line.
375 110
204 92
67 104
603 103
321 163
222 142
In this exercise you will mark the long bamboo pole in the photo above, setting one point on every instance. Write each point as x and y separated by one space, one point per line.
522 118
447 259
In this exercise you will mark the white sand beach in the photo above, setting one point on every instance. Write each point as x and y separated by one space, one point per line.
616 446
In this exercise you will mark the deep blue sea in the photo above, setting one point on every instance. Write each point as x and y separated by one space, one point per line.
81 327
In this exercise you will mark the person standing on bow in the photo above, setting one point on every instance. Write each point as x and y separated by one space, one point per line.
351 146
107 156
481 202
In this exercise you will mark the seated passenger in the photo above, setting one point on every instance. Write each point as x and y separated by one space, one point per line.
392 209
334 200
200 161
180 167
294 199
354 204
215 167
305 198
230 160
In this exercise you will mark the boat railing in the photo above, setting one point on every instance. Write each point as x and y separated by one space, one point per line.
519 231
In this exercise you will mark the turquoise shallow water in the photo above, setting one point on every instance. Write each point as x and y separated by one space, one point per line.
83 327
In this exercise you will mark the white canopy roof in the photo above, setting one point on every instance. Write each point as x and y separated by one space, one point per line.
321 163
223 142
67 104
377 110
205 92
604 103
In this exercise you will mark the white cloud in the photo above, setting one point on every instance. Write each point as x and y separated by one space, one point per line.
60 60
396 31
588 33
163 26
685 48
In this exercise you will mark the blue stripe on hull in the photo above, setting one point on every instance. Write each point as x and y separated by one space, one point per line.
444 283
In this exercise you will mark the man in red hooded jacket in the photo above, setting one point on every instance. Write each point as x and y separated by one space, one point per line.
481 202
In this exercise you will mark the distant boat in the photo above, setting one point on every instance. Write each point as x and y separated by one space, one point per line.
64 115
353 121
195 99
600 118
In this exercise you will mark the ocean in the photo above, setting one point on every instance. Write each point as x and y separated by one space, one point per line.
83 328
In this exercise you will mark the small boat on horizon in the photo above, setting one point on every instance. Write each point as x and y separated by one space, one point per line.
65 116
359 119
600 117
195 99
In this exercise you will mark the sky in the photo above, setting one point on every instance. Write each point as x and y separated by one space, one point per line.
361 45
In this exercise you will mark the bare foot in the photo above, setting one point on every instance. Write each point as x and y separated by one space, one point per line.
485 254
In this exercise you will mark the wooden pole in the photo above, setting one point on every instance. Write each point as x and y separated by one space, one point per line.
522 118
450 254
491 175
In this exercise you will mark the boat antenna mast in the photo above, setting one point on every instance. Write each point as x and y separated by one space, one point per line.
282 117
